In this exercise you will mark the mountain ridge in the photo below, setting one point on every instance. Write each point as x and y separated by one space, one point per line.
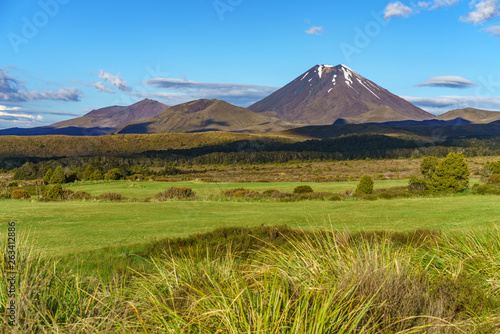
473 115
205 115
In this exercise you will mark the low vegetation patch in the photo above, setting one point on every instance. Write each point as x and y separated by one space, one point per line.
19 194
111 196
176 193
244 280
303 190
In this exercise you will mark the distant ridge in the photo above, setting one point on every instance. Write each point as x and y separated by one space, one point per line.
206 115
325 93
97 122
471 114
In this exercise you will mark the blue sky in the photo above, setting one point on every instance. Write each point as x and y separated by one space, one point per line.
62 58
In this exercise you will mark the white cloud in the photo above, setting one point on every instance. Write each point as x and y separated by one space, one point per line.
397 9
440 104
11 117
102 87
9 108
449 81
485 11
431 5
314 31
495 30
186 90
115 80
13 90
15 115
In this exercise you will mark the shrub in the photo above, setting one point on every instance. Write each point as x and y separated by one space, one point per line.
113 174
270 192
494 179
48 176
67 193
88 172
71 177
416 184
452 174
56 192
136 177
58 176
485 189
302 190
177 193
80 195
20 194
14 184
489 169
428 167
365 185
96 175
236 192
110 196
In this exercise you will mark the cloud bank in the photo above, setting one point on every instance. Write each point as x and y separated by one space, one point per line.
440 104
13 90
186 90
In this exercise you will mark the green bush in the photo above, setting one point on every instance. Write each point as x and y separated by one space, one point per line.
87 174
416 184
489 169
270 192
302 190
20 194
96 175
113 174
485 189
428 167
56 192
48 176
452 174
365 185
58 176
177 193
71 177
494 179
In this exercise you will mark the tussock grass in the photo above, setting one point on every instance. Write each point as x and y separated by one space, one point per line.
271 280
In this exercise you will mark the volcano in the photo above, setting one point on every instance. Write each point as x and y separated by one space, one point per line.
326 94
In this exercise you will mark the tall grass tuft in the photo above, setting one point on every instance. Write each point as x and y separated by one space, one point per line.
289 281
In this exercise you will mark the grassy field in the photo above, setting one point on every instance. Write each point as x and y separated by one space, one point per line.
67 227
100 266
203 190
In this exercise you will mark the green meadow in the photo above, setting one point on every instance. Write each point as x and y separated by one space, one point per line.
221 264
149 189
74 226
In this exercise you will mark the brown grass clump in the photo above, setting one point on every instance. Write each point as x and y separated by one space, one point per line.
176 193
110 196
20 194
